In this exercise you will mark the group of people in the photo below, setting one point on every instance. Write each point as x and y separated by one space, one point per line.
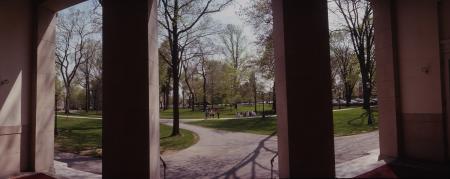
245 114
211 113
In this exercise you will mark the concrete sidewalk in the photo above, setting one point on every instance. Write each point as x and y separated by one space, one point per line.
62 171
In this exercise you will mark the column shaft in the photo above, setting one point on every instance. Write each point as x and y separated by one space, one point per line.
305 122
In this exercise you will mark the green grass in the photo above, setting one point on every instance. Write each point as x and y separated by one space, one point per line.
346 122
257 126
225 112
80 135
77 135
167 143
96 114
352 121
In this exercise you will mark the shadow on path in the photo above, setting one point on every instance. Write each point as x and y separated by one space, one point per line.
250 159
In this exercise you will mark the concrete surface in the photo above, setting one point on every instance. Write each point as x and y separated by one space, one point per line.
222 154
64 172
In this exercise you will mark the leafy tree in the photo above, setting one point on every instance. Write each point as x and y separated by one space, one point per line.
86 70
234 46
358 22
165 74
344 59
180 19
259 14
73 31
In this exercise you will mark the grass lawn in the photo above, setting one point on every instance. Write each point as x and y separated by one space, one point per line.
257 126
225 112
168 143
85 136
96 114
352 121
346 122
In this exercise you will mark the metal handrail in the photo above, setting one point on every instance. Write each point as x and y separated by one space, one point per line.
271 165
164 165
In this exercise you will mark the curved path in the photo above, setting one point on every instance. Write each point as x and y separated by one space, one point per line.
222 154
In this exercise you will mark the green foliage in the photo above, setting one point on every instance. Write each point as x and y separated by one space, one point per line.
257 126
346 122
353 121
164 68
77 97
168 143
225 111
78 135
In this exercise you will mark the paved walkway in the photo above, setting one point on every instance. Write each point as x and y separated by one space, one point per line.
222 154
82 163
63 171
230 154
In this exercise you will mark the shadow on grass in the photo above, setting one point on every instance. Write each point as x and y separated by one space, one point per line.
257 126
363 118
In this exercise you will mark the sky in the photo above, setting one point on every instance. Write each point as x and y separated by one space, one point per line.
230 16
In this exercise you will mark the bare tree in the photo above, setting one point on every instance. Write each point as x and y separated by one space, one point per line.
358 21
177 18
342 56
189 70
204 49
203 73
87 69
73 31
234 49
96 79
253 84
258 13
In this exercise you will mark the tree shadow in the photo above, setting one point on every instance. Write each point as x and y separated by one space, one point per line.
250 159
362 119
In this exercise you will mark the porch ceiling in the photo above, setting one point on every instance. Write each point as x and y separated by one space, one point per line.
57 5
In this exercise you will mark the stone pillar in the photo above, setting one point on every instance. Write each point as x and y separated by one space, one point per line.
444 19
387 78
130 83
305 122
43 91
15 58
411 80
420 80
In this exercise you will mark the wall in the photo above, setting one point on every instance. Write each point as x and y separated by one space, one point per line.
420 79
444 16
15 55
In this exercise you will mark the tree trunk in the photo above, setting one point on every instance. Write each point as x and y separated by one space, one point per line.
88 96
348 94
67 101
182 99
94 99
191 93
56 116
204 96
255 99
192 102
274 99
166 98
175 75
176 103
366 95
